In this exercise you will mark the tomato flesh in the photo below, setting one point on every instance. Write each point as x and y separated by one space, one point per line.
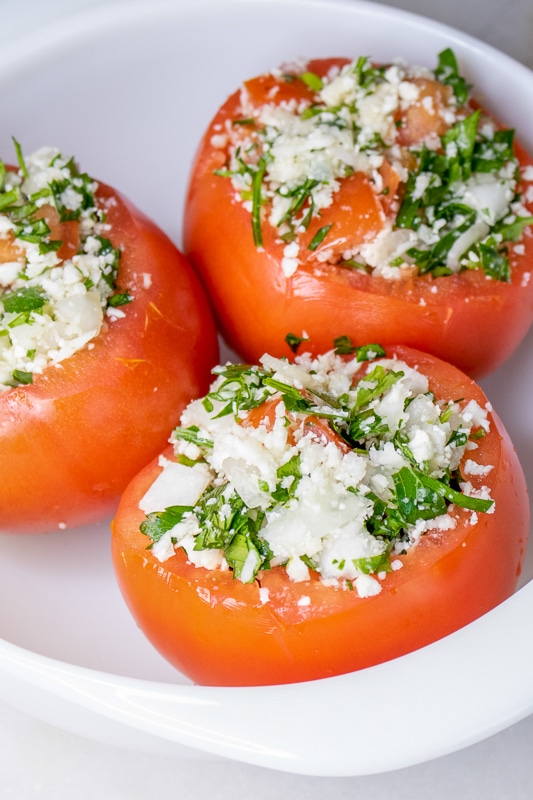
356 217
65 232
217 630
71 441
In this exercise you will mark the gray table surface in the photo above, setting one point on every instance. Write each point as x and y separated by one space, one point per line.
39 761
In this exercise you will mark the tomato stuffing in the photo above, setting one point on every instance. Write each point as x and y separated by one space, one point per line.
99 313
320 516
378 201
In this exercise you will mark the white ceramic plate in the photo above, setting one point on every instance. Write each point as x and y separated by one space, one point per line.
128 88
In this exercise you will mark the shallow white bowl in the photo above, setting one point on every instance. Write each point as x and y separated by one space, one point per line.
128 88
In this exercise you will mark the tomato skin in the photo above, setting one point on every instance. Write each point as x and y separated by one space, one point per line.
71 441
473 322
217 631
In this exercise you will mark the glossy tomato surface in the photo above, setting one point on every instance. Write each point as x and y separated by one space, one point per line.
72 440
465 318
217 630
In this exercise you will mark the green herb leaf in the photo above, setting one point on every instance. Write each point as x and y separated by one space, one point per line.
375 384
112 258
120 299
32 230
226 523
491 154
312 80
512 231
373 564
50 246
83 186
495 263
286 488
417 499
242 389
365 426
299 194
7 199
366 74
294 341
21 377
238 553
422 497
157 523
352 264
20 158
191 434
319 237
344 346
257 185
367 352
292 397
447 72
22 300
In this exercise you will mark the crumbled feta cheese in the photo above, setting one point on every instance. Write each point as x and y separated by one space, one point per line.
176 485
304 600
219 141
473 468
51 307
367 586
308 496
305 149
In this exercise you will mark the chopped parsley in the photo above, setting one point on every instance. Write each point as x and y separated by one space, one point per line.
51 305
459 198
294 341
343 346
447 72
319 237
338 447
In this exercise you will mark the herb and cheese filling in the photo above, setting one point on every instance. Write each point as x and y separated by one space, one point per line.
51 305
457 206
328 464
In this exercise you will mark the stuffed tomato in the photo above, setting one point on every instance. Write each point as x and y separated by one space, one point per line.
312 518
105 335
377 201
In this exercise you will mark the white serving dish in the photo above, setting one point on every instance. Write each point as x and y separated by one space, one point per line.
128 87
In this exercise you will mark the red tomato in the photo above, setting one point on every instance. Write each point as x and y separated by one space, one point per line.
465 318
71 441
216 630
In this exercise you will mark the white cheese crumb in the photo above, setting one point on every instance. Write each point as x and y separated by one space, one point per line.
304 600
219 140
321 523
473 468
175 485
367 586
